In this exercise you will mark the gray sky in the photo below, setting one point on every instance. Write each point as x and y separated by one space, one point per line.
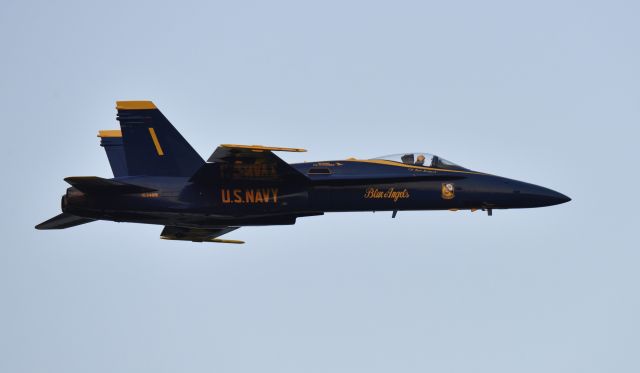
545 92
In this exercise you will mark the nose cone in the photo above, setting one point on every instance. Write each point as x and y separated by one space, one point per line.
551 197
536 196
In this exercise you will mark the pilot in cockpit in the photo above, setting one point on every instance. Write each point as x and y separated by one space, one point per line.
419 160
407 158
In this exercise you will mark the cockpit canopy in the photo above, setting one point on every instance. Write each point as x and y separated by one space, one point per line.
421 159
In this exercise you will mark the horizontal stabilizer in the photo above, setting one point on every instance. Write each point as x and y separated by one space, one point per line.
63 221
197 234
98 185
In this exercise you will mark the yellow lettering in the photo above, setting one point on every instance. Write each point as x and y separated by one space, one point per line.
371 193
226 196
248 195
390 193
237 197
259 196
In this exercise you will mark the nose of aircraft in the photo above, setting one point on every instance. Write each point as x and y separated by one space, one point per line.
537 196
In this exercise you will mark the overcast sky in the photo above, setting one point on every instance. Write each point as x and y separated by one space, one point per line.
545 92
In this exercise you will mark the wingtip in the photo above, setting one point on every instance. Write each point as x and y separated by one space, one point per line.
260 148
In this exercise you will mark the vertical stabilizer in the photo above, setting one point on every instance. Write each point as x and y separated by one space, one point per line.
111 141
152 146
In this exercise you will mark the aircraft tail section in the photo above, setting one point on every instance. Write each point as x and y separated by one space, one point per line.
111 141
148 144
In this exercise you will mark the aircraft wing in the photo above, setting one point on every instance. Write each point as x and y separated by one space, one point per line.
197 234
249 163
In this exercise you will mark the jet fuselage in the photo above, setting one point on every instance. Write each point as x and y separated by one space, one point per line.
334 186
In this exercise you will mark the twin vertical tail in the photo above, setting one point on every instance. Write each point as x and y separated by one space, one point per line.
147 144
111 141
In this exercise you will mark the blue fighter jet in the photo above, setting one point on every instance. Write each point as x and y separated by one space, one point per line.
160 179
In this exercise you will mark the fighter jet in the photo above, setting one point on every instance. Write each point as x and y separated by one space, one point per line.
160 179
